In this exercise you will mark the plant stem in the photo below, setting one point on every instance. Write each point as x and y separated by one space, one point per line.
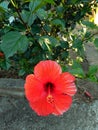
86 39
25 24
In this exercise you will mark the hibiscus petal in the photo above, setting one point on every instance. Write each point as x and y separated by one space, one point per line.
42 107
65 84
33 88
68 77
47 71
62 104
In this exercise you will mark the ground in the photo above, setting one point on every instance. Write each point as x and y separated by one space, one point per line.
15 113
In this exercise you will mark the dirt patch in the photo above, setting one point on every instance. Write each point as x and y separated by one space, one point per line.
87 91
11 73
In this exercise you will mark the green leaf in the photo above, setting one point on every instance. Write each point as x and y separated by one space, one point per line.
47 28
2 10
2 14
64 68
58 22
92 70
8 64
21 72
28 17
49 1
4 5
5 64
25 1
64 44
13 42
60 10
76 64
35 5
64 54
78 72
53 41
96 42
42 14
77 43
92 78
89 24
36 29
46 42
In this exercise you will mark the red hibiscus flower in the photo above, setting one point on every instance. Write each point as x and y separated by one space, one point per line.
48 90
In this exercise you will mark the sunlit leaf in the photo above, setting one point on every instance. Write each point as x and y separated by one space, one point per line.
4 5
47 42
89 24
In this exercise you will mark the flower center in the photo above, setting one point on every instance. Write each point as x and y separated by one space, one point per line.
49 89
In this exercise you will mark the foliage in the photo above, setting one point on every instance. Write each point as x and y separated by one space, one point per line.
34 30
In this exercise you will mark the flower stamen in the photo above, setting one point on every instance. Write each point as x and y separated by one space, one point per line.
49 96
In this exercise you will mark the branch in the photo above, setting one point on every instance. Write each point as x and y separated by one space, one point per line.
25 24
86 39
